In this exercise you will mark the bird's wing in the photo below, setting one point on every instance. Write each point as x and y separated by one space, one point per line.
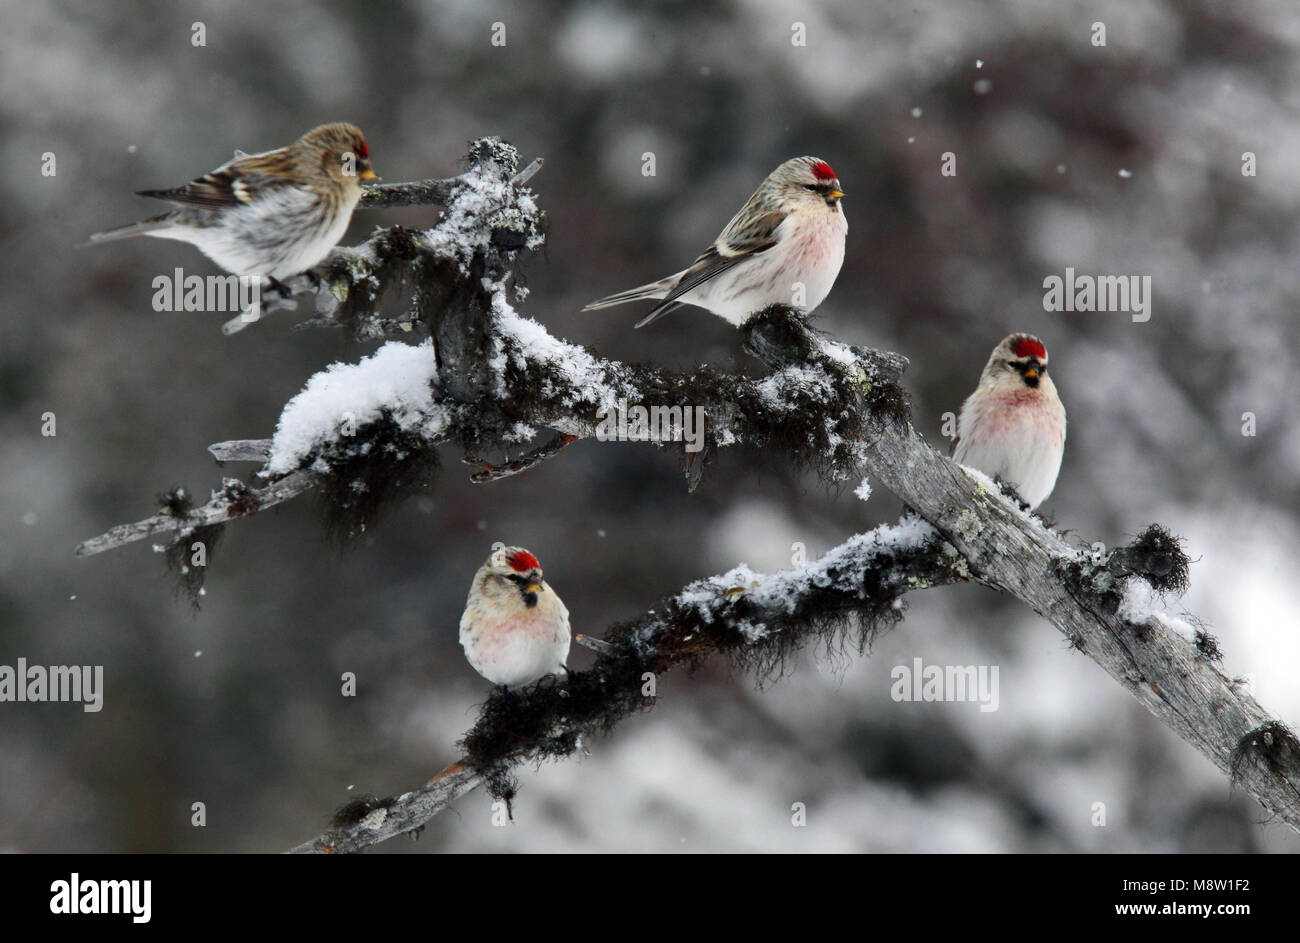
737 243
753 229
232 184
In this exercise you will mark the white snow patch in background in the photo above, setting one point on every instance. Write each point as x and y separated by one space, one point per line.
397 377
602 44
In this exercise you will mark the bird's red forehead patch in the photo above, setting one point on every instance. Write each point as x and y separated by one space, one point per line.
521 561
363 150
1029 347
822 171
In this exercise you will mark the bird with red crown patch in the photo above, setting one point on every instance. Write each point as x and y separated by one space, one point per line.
514 629
785 246
273 214
1012 427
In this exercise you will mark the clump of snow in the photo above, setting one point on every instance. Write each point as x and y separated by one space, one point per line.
364 253
837 352
845 565
520 432
1138 602
863 490
521 339
775 389
1138 606
342 398
465 227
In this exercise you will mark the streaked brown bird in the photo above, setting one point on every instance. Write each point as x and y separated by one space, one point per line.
274 214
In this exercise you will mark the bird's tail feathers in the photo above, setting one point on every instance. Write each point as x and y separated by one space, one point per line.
142 228
658 312
652 290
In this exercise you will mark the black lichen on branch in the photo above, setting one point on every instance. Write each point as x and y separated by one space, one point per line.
176 502
367 476
356 811
1271 746
186 555
1157 556
547 720
847 597
779 335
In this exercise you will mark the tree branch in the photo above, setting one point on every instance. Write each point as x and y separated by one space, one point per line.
1101 607
492 379
1101 603
489 202
428 192
849 595
367 821
235 499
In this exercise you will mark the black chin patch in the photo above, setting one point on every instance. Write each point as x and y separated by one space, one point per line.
530 599
1031 382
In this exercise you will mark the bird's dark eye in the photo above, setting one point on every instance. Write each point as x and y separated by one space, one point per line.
516 579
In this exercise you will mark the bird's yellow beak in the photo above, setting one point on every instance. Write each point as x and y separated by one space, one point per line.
368 174
835 194
533 588
1031 372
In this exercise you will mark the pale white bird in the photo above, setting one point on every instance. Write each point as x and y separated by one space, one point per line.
785 246
1012 427
515 629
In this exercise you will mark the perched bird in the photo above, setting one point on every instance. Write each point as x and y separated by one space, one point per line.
1013 426
515 629
274 214
785 246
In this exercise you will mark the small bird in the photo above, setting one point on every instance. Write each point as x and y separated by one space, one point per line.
515 629
274 214
785 246
1012 427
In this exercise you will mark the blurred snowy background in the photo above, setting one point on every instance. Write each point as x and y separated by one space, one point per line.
239 705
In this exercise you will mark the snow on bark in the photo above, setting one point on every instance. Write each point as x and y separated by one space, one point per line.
397 381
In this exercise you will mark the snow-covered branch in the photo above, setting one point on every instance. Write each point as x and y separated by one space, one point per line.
485 206
1106 604
843 599
382 420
